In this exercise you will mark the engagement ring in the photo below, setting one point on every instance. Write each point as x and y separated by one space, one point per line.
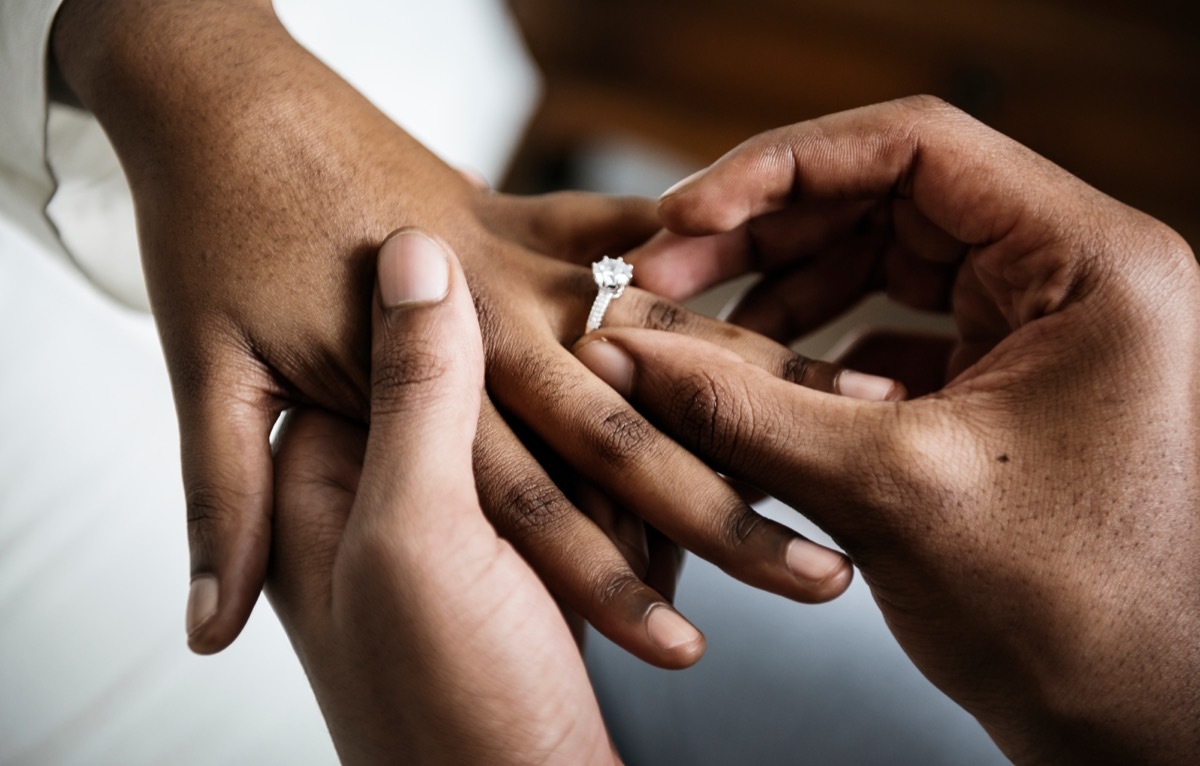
611 275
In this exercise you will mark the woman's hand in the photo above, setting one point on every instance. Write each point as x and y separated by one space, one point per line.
1030 531
427 639
263 184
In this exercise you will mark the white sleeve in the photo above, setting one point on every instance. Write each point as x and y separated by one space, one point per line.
26 183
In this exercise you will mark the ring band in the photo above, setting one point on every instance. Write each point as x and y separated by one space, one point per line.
612 275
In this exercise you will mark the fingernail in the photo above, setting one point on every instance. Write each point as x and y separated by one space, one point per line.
609 362
412 268
859 385
680 184
809 561
668 629
201 603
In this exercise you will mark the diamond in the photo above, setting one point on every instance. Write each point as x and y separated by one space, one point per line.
612 273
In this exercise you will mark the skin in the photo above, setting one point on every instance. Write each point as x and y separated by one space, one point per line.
1030 530
413 619
263 184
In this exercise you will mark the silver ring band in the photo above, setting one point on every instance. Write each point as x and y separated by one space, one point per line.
612 276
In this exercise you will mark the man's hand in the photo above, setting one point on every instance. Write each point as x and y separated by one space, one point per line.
263 184
1031 531
426 638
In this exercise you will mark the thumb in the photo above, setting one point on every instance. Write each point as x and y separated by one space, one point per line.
426 383
227 480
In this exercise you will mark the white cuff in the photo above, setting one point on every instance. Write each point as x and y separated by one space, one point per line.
26 183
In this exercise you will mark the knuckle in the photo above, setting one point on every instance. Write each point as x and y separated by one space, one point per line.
927 104
810 373
533 510
621 437
215 513
1175 244
796 369
205 507
536 372
740 521
615 586
1156 238
923 118
902 439
666 316
214 354
519 500
407 372
703 418
937 460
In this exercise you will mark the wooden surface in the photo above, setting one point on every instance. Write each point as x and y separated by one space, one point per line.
1110 90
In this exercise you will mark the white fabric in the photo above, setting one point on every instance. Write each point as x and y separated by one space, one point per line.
25 181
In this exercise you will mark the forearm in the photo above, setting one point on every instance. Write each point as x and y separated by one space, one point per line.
178 84
129 61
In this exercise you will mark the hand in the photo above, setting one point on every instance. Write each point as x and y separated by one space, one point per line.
1030 531
263 183
426 638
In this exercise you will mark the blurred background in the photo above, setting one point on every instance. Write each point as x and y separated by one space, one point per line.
621 96
1106 88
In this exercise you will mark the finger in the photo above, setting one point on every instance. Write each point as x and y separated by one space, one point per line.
749 493
921 260
573 556
917 282
920 236
426 382
575 623
818 453
318 462
973 183
679 267
575 226
665 563
920 362
637 308
787 305
226 457
981 323
862 154
598 433
624 529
